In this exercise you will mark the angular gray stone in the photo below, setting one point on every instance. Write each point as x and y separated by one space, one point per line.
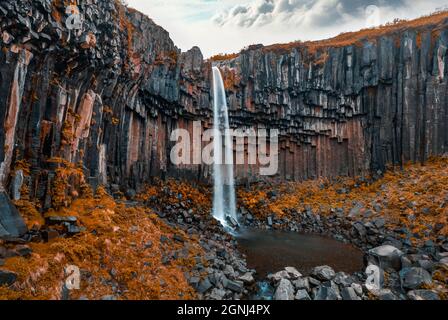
233 285
414 278
387 295
301 283
7 278
325 293
284 291
385 256
324 273
302 295
11 223
349 294
423 295
204 285
293 272
247 278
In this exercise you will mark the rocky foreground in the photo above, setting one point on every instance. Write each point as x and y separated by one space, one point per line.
163 243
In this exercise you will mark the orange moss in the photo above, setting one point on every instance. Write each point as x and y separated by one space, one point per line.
222 57
418 190
112 253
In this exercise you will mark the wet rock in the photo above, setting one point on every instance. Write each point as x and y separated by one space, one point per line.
324 273
7 278
423 295
385 256
415 278
284 291
302 295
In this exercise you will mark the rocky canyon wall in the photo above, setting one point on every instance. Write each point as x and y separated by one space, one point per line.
351 104
104 99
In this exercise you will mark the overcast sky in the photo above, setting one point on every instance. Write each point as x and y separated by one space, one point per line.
226 26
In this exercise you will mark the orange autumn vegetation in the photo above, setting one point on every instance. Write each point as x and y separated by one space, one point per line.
112 252
352 38
418 190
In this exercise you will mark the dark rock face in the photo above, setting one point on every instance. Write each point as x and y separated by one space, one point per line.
11 223
108 96
343 110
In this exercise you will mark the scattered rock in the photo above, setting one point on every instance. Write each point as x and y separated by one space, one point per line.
423 295
247 278
284 291
349 294
325 293
233 285
204 286
11 222
7 277
385 256
293 272
415 278
302 283
302 295
324 273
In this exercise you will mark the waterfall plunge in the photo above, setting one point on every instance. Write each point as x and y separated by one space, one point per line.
224 199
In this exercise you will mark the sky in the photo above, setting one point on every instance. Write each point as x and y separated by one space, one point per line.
227 26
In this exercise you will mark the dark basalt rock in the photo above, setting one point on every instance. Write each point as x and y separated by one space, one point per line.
110 94
11 223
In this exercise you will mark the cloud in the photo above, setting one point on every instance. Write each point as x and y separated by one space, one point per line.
223 26
310 13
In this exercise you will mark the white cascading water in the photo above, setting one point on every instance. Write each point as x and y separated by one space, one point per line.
224 199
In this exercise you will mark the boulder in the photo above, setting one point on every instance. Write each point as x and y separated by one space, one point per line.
293 272
247 278
325 293
385 256
284 291
349 294
324 273
302 283
414 278
11 223
302 295
7 278
233 285
204 286
423 295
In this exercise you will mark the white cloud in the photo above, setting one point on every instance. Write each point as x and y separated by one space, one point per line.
219 26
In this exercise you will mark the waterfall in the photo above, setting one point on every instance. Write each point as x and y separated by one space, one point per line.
224 199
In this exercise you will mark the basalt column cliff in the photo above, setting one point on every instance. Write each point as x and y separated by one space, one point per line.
100 102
